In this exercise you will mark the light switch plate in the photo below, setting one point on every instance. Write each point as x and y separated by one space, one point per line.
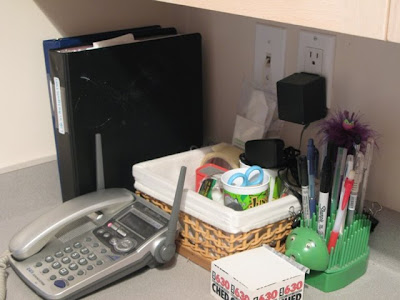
269 56
310 44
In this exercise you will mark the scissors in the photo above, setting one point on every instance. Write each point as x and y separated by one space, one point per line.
246 177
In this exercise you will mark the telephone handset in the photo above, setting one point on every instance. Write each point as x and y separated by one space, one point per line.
65 254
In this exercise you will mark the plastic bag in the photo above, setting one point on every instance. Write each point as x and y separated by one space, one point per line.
256 114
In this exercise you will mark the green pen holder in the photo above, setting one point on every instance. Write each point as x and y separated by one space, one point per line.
348 260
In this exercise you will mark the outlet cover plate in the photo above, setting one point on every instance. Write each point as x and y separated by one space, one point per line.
269 56
326 43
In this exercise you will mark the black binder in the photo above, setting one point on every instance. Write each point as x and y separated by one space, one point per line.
145 98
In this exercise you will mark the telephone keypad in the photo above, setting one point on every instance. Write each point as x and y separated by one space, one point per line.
49 259
63 271
74 261
84 250
82 261
60 283
77 245
66 260
71 268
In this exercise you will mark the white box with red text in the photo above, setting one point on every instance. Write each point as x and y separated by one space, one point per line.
256 274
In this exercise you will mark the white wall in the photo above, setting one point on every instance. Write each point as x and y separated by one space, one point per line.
365 80
26 135
25 122
365 76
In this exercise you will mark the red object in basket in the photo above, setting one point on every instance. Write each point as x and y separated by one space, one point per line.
205 171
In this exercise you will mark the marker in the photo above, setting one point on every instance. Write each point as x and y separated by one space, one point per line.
325 186
367 165
348 185
311 175
303 174
354 191
349 167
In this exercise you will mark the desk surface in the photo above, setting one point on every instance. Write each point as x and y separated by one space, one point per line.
28 193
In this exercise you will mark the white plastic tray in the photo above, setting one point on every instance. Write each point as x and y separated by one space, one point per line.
158 178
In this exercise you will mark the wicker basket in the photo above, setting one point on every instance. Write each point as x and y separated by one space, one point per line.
203 243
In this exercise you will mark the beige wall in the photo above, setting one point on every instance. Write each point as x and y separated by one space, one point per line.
26 135
365 75
365 80
25 122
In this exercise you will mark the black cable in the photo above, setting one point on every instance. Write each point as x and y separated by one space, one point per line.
290 157
285 181
302 132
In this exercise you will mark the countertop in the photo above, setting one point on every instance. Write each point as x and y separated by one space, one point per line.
28 193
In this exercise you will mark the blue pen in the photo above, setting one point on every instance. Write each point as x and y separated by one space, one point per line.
311 175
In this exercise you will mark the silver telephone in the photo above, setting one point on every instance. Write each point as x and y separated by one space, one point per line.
72 251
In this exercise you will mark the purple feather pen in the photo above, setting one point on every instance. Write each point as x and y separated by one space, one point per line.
344 128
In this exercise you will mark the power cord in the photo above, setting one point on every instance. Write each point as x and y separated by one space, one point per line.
290 157
4 264
302 132
288 185
289 173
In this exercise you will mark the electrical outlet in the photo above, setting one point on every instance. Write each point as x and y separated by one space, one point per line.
316 54
269 56
313 60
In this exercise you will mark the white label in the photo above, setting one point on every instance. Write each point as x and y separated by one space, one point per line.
60 116
322 214
306 204
352 201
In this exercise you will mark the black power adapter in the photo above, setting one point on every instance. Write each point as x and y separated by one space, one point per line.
266 153
301 98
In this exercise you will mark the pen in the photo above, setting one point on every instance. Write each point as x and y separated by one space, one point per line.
316 162
367 165
325 186
311 175
348 185
341 156
354 191
357 145
349 167
303 174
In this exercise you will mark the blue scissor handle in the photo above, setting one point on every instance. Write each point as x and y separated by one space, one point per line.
237 175
260 177
246 176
